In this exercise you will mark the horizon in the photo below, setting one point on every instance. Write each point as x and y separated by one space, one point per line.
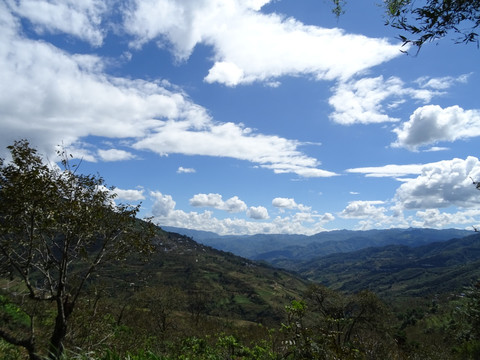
175 228
248 117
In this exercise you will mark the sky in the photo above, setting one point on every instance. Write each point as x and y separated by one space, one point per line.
248 116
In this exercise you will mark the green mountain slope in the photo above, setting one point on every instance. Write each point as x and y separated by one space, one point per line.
276 248
222 284
399 270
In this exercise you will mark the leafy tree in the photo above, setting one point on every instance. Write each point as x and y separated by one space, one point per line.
435 19
430 20
349 325
57 227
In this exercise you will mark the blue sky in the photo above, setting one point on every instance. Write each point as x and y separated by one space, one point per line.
248 116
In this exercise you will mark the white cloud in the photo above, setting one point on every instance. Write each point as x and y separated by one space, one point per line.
364 100
207 200
50 96
436 148
289 203
232 205
163 205
431 124
256 4
441 83
129 195
327 217
65 98
182 170
81 19
225 72
250 46
115 155
434 218
301 223
391 170
442 184
363 209
257 213
232 140
286 203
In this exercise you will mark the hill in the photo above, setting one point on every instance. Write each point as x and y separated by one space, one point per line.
274 248
399 270
221 284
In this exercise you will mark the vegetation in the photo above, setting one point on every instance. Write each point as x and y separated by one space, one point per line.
430 20
279 249
399 271
56 228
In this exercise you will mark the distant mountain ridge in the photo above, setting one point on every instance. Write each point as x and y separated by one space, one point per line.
398 270
276 248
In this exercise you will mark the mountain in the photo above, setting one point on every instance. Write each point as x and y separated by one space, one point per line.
276 248
399 270
225 286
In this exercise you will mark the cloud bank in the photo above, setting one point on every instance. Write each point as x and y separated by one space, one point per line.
252 46
68 97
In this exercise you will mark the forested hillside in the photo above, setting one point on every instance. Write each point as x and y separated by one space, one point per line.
274 248
398 270
193 301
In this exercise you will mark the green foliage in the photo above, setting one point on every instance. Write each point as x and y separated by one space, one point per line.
397 271
8 351
435 19
431 20
57 227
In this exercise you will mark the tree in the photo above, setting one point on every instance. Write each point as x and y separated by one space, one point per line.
57 227
431 20
350 324
435 19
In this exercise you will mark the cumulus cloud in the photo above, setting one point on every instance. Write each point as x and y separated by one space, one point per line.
163 204
65 98
440 185
257 213
251 46
207 200
431 124
232 205
434 218
115 155
284 203
129 195
288 203
366 100
300 223
363 209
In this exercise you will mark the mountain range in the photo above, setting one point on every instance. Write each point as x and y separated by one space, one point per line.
274 248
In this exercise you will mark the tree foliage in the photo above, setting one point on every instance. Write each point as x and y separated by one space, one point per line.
57 227
435 19
430 20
